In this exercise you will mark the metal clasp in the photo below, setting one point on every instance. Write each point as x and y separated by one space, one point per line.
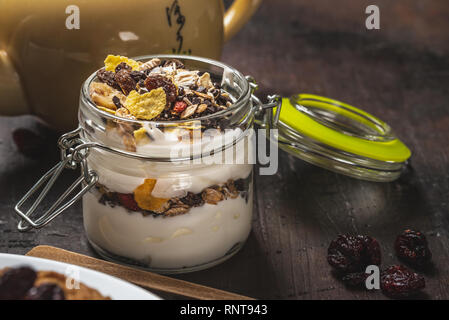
73 154
265 119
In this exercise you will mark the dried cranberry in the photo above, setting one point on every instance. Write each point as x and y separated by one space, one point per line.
353 253
125 81
46 291
399 282
154 82
127 201
411 246
180 106
15 283
123 66
356 279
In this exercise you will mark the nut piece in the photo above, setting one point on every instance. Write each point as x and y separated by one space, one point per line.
124 113
204 81
189 111
201 108
176 211
150 64
212 196
185 78
103 95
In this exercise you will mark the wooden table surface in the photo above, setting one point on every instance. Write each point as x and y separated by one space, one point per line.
400 73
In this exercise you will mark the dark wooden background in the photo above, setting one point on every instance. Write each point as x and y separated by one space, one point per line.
400 73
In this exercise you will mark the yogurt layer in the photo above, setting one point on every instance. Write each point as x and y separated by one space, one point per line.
201 236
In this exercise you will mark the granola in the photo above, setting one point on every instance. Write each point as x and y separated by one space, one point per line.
142 201
182 94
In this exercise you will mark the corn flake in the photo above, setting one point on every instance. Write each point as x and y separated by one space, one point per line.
111 62
146 106
141 136
144 199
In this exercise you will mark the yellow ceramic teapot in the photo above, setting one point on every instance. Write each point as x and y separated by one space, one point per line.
48 47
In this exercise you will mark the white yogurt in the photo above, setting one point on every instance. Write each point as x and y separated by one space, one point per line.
203 235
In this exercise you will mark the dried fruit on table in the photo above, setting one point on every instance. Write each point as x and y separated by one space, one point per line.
146 106
103 95
411 246
356 279
400 282
111 62
353 253
158 81
144 199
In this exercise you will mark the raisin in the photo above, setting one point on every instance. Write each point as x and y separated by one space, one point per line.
15 283
138 76
154 82
399 282
193 200
411 247
356 279
117 102
108 77
46 291
353 253
125 81
123 66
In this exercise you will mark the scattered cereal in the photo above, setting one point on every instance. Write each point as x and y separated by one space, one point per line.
146 106
111 62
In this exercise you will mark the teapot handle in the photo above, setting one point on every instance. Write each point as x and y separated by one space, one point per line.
237 15
13 100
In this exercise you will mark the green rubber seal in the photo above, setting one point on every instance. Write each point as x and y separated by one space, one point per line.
390 150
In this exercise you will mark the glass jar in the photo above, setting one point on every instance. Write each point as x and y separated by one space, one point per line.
160 195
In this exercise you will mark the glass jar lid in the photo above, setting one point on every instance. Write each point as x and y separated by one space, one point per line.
338 137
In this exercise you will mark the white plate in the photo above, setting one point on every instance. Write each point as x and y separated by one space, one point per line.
107 285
